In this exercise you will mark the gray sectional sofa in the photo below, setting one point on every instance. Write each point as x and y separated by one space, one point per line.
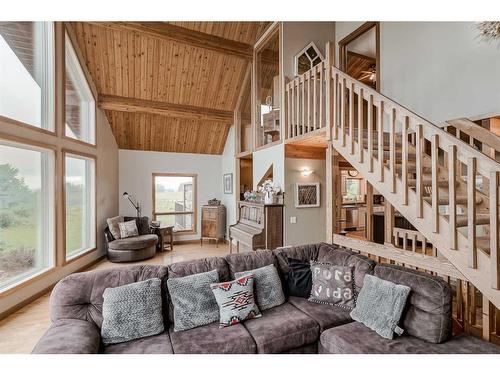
297 326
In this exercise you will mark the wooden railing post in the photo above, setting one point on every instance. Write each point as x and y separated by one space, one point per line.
360 125
392 149
419 170
404 156
351 118
380 124
342 111
335 106
471 211
370 132
435 187
329 60
452 195
494 241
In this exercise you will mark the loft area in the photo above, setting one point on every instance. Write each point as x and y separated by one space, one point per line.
281 185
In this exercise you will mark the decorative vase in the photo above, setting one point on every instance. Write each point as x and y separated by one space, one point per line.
268 198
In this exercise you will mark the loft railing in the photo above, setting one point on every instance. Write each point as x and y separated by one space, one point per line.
305 100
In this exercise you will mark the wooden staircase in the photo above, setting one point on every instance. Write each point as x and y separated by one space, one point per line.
447 189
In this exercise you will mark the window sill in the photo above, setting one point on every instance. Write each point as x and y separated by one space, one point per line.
23 283
78 256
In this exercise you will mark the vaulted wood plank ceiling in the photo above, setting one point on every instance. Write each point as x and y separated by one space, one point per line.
182 79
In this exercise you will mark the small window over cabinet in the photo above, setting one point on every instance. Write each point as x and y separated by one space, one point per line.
174 201
80 198
80 102
306 59
26 212
27 73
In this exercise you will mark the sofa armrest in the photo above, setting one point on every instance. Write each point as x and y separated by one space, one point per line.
69 336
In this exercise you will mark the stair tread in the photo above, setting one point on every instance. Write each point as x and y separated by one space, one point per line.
443 201
426 181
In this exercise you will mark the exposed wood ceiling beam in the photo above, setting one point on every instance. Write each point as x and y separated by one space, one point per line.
173 33
132 105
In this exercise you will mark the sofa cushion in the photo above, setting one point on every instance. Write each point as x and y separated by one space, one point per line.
332 285
249 261
380 305
304 253
236 300
141 222
132 311
80 295
345 257
158 344
298 281
282 328
428 309
128 229
210 339
113 226
355 338
134 243
326 316
193 302
267 286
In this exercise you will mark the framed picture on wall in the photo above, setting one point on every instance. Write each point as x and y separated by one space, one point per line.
227 182
307 194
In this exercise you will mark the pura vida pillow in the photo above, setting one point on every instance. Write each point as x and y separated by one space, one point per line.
332 285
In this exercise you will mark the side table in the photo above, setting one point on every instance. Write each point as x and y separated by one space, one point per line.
165 238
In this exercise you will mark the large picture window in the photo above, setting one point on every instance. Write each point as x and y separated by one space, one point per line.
27 72
26 212
174 201
80 103
80 219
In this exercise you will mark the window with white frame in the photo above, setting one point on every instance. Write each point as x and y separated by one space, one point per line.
174 200
27 73
80 102
80 216
26 212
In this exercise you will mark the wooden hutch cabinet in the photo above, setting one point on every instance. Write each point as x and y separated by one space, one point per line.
213 223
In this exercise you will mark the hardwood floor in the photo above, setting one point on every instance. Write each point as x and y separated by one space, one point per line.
20 331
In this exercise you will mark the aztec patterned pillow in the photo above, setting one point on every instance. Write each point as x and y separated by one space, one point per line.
132 311
128 229
236 301
193 300
332 285
268 289
114 227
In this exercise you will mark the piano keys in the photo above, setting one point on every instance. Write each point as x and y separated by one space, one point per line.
259 226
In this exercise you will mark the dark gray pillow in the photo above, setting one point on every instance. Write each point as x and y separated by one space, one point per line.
332 285
380 305
132 311
268 289
194 303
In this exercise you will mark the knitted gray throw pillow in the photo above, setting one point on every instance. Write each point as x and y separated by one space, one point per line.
380 305
132 311
193 300
268 289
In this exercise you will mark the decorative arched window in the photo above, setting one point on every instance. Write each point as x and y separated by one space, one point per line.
306 59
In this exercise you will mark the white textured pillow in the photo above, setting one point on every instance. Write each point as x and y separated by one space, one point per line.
114 227
128 229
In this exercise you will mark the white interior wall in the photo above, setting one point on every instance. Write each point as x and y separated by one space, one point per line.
137 168
440 70
263 159
311 222
228 166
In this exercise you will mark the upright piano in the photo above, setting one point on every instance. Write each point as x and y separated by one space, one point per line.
259 226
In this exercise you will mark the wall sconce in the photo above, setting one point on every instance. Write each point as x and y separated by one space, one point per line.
306 172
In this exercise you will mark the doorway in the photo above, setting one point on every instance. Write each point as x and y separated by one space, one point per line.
360 54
